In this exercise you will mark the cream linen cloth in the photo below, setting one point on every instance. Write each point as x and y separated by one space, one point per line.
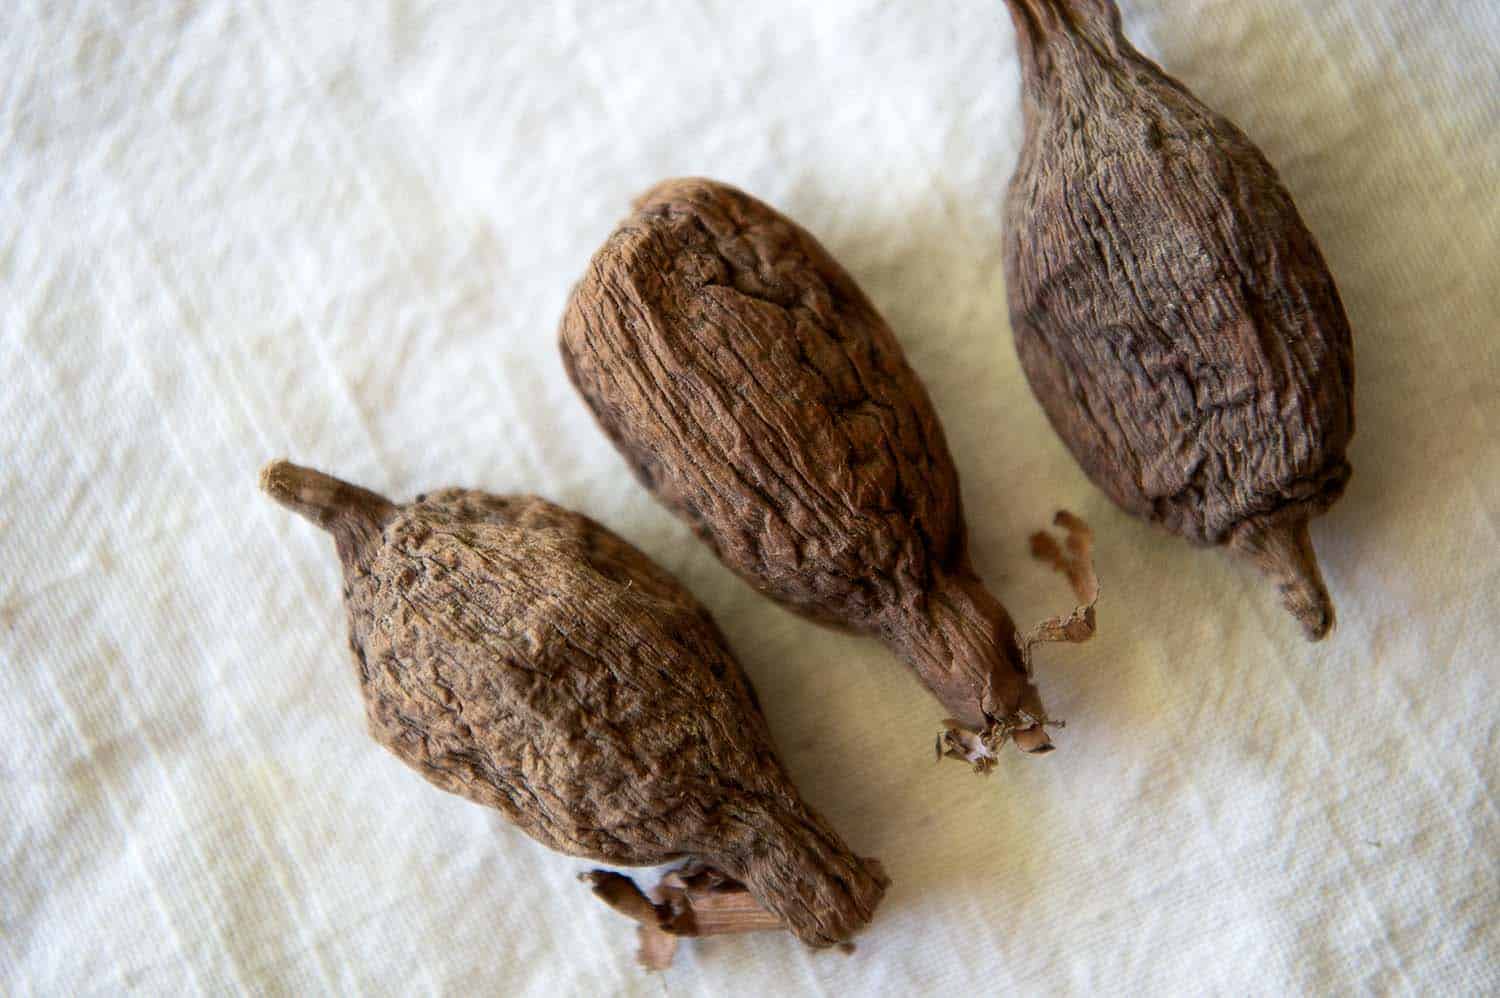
232 231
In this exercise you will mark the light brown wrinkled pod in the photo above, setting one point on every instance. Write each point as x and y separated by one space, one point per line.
525 657
1171 310
756 391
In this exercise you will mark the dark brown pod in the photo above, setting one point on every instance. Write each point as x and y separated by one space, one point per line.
756 391
1172 312
525 657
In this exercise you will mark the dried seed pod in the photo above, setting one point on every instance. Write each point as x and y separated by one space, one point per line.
1172 312
525 657
752 386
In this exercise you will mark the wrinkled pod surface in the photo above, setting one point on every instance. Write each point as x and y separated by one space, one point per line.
755 390
525 657
1172 312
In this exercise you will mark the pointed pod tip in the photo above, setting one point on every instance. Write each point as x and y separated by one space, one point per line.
321 498
273 476
281 480
302 490
1317 616
1283 551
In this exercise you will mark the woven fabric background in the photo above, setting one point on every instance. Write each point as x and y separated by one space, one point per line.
233 230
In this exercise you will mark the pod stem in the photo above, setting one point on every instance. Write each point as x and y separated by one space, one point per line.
1282 549
352 514
962 643
694 900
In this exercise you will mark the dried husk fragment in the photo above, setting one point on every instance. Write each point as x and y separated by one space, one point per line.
1172 312
525 657
755 390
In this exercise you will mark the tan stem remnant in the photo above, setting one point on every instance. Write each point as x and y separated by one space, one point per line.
692 901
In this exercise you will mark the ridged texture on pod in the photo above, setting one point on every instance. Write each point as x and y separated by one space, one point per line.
756 391
525 657
1171 310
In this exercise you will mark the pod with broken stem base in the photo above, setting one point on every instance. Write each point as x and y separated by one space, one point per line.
756 391
527 658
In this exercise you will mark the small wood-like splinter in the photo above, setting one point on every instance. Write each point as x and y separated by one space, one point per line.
693 900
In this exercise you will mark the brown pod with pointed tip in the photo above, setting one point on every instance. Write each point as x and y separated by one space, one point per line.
755 390
1171 310
525 657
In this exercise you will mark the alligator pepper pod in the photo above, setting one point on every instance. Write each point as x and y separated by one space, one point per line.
525 657
1172 312
755 390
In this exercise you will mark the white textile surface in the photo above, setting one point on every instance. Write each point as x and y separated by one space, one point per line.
233 230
